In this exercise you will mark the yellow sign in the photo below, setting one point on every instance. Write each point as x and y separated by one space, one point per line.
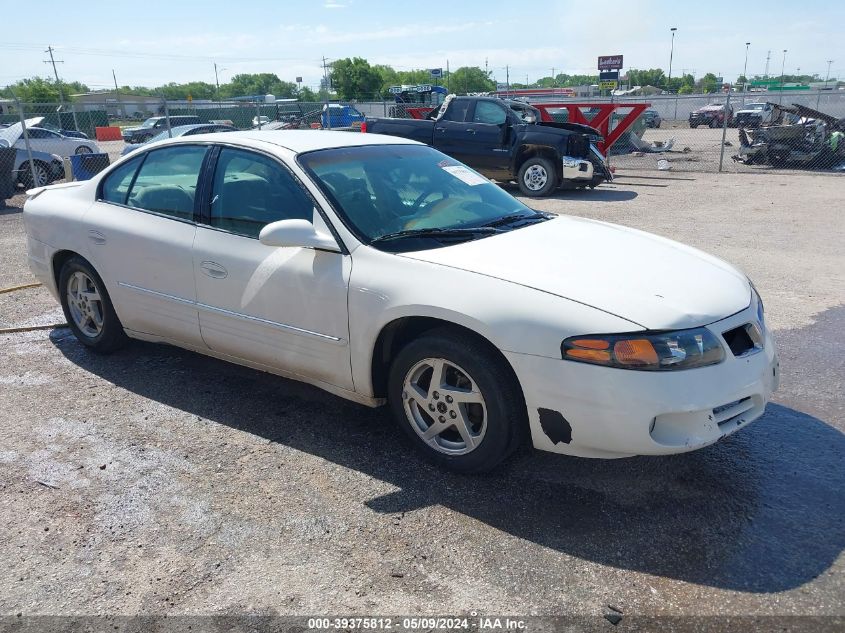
190 98
607 85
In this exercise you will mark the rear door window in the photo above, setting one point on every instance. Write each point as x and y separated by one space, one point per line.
167 181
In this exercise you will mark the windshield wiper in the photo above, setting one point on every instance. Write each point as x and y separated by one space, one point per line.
437 232
514 217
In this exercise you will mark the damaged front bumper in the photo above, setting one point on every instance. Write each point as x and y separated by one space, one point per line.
592 411
576 169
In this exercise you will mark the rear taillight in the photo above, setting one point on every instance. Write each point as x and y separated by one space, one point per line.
364 127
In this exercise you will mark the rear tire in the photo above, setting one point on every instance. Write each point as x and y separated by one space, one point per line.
537 177
472 417
88 308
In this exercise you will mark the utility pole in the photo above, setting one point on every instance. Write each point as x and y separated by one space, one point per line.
508 79
117 90
782 66
745 69
59 85
671 54
447 76
554 83
768 58
326 81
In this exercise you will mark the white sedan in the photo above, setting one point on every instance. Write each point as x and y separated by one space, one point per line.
386 272
44 140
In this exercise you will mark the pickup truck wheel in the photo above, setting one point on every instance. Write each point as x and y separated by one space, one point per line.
537 177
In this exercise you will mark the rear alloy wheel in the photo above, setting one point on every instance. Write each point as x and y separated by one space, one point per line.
537 177
42 175
87 307
84 149
455 399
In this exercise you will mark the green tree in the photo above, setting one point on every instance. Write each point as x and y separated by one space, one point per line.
40 90
247 85
306 95
686 90
470 79
355 78
708 83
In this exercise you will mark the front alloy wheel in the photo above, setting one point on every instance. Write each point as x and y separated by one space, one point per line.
537 177
444 406
84 149
457 399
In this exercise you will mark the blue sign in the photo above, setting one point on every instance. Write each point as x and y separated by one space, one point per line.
436 72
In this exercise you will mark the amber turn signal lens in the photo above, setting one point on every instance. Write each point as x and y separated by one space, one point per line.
594 355
635 352
591 343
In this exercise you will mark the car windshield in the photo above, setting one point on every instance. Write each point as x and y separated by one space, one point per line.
149 122
755 106
397 195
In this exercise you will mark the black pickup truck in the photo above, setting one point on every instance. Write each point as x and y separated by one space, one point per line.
505 140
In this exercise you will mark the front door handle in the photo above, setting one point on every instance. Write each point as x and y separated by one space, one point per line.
471 130
215 270
440 129
97 237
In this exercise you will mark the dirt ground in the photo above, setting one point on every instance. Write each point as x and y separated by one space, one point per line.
157 481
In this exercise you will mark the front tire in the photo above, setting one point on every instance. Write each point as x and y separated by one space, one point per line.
537 177
457 401
88 308
42 175
84 149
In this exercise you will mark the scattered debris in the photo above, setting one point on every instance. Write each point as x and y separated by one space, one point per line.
656 147
728 144
47 484
613 618
687 149
663 165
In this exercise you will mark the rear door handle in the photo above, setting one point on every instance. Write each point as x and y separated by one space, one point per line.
97 237
215 270
471 130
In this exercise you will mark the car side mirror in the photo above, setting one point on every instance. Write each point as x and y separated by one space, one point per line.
529 118
297 233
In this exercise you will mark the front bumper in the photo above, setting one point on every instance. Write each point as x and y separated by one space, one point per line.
577 169
593 411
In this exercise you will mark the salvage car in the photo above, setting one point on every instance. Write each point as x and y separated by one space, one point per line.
652 118
506 141
154 125
755 115
798 136
44 140
384 271
47 167
712 115
182 130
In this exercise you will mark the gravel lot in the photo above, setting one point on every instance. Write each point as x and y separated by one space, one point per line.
157 481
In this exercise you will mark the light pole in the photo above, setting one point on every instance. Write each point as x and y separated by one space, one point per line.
745 69
671 54
782 66
826 77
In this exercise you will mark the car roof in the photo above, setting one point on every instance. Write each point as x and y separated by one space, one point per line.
300 141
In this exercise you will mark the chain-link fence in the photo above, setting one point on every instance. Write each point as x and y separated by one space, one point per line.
737 132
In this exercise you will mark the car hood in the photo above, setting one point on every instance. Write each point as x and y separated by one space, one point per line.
652 281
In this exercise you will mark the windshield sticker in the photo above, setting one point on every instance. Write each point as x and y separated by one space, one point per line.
466 175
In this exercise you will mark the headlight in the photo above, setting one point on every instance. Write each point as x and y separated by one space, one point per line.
760 310
568 161
646 351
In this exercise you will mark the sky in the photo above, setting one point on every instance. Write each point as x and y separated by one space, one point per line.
151 43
